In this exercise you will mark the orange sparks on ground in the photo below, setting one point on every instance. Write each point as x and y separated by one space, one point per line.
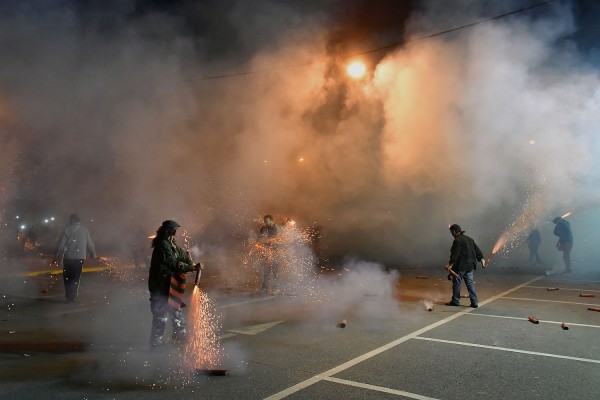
203 350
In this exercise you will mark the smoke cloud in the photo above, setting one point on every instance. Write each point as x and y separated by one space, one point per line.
108 114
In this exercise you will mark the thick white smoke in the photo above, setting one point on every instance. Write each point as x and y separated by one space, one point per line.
116 122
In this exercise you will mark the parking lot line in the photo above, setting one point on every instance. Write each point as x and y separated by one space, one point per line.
577 290
311 381
378 388
241 303
551 301
525 319
483 346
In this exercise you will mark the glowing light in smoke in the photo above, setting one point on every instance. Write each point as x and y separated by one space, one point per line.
356 69
301 159
532 142
567 214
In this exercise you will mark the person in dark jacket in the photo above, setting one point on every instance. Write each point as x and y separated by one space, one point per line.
167 259
565 240
464 256
73 246
533 242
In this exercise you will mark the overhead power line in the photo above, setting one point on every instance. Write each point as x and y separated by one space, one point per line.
389 46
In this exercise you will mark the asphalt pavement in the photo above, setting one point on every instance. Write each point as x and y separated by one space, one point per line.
286 345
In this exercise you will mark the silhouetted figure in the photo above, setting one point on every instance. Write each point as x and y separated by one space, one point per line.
565 240
268 254
533 243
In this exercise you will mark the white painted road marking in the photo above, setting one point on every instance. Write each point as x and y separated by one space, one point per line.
535 353
241 303
254 329
577 290
541 321
311 381
378 388
552 301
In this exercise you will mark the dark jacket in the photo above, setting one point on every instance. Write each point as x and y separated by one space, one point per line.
534 239
464 253
167 259
563 231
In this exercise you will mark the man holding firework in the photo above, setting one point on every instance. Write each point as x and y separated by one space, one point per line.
168 260
464 256
565 240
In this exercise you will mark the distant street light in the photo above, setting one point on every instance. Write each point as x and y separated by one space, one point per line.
356 69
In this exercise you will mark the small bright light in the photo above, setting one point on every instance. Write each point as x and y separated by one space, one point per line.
532 142
356 69
17 217
301 159
52 219
46 221
23 226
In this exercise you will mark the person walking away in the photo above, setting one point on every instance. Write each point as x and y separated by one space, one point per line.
73 246
464 255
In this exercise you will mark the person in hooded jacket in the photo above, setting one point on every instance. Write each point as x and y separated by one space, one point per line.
168 259
73 246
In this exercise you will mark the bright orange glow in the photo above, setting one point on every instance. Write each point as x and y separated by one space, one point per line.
152 236
301 159
356 69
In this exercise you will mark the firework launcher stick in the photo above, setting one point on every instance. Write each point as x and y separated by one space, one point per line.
199 267
450 271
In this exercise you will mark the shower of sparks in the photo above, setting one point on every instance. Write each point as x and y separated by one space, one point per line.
123 273
516 233
292 251
203 349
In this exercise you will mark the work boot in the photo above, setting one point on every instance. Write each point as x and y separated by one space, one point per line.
450 303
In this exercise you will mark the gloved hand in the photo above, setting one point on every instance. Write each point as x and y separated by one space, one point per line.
484 262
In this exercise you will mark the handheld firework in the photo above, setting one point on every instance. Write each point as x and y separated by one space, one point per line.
497 246
451 271
198 267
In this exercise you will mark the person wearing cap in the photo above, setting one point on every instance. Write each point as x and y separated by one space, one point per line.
167 259
565 240
73 246
268 253
464 256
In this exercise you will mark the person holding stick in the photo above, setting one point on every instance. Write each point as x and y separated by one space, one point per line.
464 256
169 261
